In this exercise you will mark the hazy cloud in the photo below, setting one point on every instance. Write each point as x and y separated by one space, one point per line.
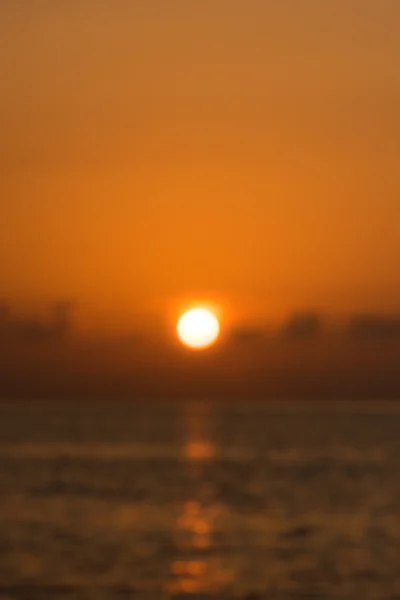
33 330
302 326
374 328
248 335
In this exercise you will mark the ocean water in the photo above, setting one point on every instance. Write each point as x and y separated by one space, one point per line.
109 501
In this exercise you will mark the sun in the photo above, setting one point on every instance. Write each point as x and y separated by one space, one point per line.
198 328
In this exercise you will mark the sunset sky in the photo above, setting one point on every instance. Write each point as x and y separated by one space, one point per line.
154 152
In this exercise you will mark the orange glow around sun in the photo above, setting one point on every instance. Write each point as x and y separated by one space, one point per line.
198 328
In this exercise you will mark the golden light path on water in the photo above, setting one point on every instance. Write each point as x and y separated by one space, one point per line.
198 569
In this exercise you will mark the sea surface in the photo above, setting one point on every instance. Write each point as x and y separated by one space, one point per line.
108 501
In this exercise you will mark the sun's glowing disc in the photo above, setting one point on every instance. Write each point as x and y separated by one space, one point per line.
198 328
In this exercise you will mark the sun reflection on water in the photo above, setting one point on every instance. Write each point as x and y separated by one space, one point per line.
199 450
198 568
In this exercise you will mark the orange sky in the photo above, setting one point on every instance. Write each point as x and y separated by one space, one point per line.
244 151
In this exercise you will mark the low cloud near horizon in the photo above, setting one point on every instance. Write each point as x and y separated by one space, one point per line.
33 330
302 326
374 328
298 326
